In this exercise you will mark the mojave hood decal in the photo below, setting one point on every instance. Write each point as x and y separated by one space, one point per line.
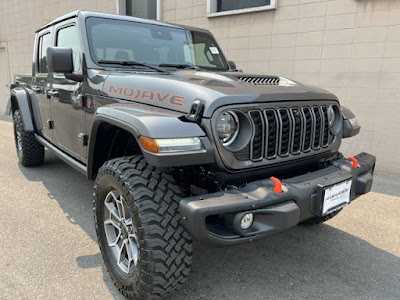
145 95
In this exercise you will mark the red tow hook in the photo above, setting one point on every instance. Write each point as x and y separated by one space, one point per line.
354 162
278 185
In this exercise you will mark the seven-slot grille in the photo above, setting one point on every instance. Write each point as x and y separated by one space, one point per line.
284 131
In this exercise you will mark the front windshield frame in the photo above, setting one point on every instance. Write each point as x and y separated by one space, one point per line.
189 35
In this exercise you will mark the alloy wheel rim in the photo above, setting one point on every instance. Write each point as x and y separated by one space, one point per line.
120 232
19 141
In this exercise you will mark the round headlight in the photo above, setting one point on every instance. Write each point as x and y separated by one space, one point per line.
227 127
331 116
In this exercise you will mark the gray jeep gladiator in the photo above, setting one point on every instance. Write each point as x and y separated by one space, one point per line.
180 144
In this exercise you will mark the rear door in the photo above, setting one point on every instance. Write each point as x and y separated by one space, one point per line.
41 81
67 111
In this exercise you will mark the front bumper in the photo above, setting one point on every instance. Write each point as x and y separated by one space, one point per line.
273 212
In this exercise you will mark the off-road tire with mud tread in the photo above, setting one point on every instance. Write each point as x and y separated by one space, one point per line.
165 247
319 220
32 153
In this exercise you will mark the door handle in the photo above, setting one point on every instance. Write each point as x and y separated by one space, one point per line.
52 93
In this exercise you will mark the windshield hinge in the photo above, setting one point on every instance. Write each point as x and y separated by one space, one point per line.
196 111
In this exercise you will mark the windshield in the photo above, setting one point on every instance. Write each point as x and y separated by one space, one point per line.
116 40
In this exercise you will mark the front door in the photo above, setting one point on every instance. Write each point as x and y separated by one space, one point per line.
66 106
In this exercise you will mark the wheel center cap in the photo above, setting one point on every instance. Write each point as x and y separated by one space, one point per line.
124 231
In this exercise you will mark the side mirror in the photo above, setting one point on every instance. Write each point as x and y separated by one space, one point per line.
232 65
350 123
59 60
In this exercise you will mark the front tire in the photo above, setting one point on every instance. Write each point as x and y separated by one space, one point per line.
145 248
30 152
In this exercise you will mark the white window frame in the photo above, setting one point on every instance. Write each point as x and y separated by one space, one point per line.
212 9
121 8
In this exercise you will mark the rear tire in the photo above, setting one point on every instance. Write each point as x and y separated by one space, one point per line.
320 220
30 152
136 209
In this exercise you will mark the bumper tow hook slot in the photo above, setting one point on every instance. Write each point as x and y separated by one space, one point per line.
278 185
354 162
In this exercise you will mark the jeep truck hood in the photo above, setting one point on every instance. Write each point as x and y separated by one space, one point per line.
177 90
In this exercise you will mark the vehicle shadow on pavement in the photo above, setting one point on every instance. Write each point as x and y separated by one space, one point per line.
318 262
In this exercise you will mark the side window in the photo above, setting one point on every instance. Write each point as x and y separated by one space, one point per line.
44 43
68 37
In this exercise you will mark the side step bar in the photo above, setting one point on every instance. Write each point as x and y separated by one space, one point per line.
81 168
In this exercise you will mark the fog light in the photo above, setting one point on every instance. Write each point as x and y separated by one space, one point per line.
246 221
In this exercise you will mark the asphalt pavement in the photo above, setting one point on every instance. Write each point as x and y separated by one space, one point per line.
48 247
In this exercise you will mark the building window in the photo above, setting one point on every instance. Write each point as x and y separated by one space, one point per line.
229 7
146 9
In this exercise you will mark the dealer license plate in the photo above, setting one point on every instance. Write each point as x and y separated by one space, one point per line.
336 196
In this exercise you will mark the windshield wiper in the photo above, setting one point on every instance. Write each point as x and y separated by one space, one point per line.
131 63
180 66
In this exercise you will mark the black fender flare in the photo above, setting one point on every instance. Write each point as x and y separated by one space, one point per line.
24 106
154 125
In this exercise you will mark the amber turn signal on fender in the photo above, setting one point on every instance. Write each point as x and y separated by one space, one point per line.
278 185
172 145
149 144
354 162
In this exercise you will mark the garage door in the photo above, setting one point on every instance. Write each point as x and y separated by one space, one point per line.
4 79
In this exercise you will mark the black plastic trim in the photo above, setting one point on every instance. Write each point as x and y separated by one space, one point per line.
24 107
81 168
257 197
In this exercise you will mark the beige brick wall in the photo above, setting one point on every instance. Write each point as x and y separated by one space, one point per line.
350 47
